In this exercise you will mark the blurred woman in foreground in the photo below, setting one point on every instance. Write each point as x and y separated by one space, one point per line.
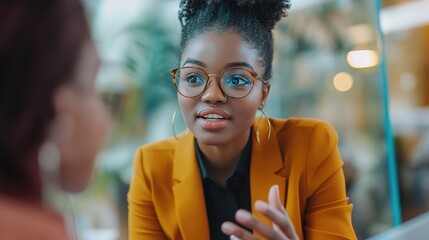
52 122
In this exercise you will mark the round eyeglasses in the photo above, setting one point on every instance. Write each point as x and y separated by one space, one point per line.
235 82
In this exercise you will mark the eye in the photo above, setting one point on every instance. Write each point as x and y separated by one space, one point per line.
237 80
194 79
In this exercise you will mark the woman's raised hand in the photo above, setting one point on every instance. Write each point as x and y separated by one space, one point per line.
281 229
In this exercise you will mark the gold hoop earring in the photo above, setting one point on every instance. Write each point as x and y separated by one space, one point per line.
173 120
263 115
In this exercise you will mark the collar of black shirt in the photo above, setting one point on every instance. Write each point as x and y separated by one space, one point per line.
243 166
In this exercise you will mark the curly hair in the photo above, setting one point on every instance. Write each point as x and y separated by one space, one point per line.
252 19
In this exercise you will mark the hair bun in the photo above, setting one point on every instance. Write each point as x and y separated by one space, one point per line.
189 8
268 12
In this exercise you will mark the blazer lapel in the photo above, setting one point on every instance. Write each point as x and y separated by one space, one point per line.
188 191
265 161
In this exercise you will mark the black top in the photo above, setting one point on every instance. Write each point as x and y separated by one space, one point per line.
222 202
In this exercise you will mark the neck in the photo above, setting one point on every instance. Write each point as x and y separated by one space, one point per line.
220 161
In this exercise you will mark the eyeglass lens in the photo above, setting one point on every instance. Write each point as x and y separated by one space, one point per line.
234 82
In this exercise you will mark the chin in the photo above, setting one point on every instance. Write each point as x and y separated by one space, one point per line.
75 184
76 173
212 139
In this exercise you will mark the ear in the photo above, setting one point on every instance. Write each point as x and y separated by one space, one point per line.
265 92
61 127
63 99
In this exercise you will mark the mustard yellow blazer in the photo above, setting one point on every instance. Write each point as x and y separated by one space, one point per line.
166 197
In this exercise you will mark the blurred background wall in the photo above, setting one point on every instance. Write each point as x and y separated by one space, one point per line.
328 64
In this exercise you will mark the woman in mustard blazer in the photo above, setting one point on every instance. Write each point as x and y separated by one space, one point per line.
231 175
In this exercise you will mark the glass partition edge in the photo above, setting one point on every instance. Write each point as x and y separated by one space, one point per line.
390 145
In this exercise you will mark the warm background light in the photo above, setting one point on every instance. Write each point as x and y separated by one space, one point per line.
362 58
343 82
408 81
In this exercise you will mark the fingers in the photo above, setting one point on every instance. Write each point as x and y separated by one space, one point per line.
274 198
233 237
236 232
246 219
275 211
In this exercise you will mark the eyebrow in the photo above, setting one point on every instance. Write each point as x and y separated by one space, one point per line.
238 64
228 65
194 61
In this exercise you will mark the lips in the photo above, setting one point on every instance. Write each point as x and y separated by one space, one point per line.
213 118
213 113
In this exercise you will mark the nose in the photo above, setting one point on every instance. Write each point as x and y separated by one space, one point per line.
213 92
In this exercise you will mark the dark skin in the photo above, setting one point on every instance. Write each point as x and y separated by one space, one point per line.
221 172
281 229
223 137
221 141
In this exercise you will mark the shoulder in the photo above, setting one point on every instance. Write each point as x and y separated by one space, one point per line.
305 129
311 139
21 220
156 159
158 147
299 123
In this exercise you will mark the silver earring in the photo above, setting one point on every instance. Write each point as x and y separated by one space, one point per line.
49 166
263 115
173 120
49 158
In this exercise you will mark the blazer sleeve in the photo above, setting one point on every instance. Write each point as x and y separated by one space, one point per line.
327 214
142 218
